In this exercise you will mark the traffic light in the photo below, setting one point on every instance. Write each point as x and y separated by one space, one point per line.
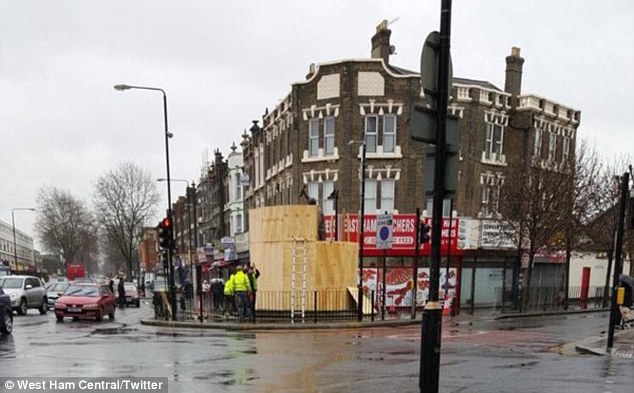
165 230
423 233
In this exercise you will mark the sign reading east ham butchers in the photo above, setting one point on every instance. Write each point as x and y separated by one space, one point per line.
403 234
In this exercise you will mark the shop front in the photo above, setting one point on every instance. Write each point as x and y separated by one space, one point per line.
387 273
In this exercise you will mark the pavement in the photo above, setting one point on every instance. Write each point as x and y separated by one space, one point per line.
595 345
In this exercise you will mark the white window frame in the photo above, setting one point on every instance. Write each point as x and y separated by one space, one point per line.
537 148
371 137
238 186
239 226
391 134
329 136
387 195
565 149
552 145
488 141
493 145
313 137
498 142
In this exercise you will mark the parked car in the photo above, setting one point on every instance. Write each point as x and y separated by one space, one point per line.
85 301
6 313
131 294
54 290
25 292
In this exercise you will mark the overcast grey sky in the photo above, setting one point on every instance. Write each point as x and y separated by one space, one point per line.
223 62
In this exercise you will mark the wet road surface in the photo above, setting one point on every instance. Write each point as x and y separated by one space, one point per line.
523 355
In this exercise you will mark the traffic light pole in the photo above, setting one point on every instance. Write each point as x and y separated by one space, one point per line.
432 316
172 287
618 247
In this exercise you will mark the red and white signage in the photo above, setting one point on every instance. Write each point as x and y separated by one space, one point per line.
403 234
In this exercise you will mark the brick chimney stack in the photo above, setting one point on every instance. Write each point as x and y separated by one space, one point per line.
513 82
381 42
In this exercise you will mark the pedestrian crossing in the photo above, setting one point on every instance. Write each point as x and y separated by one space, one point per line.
624 351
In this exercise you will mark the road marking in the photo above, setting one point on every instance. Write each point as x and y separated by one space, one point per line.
625 351
416 336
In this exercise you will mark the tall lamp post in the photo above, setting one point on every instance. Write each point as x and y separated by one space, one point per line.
361 219
168 135
15 242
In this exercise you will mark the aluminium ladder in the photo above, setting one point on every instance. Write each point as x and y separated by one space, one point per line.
298 279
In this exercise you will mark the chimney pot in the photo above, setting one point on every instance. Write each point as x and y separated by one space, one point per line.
381 42
513 80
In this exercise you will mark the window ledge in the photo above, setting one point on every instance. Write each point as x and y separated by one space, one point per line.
320 157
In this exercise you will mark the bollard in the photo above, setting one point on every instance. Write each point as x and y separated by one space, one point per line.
372 308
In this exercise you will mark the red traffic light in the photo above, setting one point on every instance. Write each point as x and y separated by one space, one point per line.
165 234
423 233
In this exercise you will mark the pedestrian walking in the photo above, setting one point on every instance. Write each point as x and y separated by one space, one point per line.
230 306
217 293
253 273
121 292
241 289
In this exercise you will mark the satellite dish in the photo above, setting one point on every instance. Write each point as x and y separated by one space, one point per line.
392 50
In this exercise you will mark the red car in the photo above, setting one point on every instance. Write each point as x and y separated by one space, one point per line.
85 301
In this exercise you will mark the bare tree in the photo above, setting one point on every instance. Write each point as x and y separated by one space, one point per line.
604 223
125 199
64 224
580 189
531 203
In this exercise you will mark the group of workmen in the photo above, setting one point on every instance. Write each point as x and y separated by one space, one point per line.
238 293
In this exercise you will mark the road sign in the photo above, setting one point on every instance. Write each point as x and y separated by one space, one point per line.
383 231
429 64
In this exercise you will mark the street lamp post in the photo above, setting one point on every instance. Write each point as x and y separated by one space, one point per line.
335 195
15 242
360 231
168 135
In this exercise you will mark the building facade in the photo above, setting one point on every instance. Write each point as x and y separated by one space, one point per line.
310 146
22 247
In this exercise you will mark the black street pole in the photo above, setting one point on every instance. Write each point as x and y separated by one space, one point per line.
431 322
415 263
383 285
169 210
361 219
618 246
199 270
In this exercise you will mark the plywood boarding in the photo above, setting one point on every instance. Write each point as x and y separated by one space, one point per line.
276 235
281 223
330 270
268 258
